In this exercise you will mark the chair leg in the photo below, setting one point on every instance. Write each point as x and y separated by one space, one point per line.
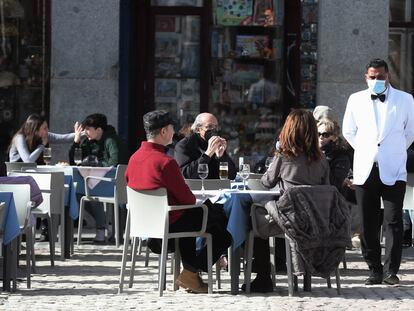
307 281
28 255
210 263
218 276
272 247
177 258
290 276
338 281
163 260
124 255
32 252
344 261
51 241
133 260
147 253
80 224
249 260
116 220
328 282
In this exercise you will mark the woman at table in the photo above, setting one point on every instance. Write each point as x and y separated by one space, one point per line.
33 136
29 142
298 161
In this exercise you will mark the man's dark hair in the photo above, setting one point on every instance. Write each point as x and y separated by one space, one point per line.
377 63
155 120
96 120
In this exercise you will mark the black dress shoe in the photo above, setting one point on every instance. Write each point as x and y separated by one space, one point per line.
260 285
374 278
391 279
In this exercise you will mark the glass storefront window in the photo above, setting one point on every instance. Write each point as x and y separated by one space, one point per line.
401 10
247 74
400 58
176 2
177 66
24 63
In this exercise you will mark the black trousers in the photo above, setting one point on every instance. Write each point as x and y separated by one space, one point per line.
216 225
368 198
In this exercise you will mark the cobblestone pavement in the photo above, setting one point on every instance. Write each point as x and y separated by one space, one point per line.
89 281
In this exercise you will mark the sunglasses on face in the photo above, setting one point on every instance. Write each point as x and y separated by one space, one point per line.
325 134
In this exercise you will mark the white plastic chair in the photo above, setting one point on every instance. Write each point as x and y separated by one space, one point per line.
118 198
148 216
19 166
21 196
52 186
209 184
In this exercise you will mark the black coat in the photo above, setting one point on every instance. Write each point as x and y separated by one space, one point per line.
190 151
339 164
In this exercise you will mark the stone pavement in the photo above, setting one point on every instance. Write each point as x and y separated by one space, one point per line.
89 281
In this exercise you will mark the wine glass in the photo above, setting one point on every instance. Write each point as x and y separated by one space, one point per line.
245 172
203 173
77 156
269 161
47 155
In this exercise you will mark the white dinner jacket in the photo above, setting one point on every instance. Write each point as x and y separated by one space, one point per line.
390 148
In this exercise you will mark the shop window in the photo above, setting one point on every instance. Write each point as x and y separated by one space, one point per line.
24 63
401 40
247 67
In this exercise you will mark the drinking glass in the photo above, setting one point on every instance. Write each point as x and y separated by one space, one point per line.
47 155
77 156
269 161
245 172
203 173
224 170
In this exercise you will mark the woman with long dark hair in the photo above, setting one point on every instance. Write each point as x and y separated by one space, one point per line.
30 140
298 161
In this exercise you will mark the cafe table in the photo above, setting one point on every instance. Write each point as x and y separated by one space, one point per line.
10 232
236 204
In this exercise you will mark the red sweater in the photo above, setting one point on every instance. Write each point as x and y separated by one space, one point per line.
151 168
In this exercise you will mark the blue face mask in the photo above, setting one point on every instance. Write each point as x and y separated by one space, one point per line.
377 86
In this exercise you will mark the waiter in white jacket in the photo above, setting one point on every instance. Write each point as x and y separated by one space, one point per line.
379 125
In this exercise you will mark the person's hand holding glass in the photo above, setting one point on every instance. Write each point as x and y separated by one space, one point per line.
244 173
203 173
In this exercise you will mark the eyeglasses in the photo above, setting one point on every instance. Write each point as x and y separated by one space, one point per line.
210 127
325 134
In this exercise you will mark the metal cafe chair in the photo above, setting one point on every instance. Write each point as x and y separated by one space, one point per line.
119 197
148 216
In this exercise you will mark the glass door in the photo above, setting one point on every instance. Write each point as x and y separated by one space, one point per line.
175 69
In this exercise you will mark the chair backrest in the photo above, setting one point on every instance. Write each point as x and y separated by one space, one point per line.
209 184
148 212
255 184
21 196
120 184
52 186
19 166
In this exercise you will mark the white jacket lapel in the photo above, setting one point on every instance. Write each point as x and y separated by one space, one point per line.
390 115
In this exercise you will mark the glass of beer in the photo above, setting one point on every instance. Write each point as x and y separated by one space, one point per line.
47 155
224 170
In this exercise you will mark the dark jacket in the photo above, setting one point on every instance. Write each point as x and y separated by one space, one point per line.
189 152
317 218
110 149
339 164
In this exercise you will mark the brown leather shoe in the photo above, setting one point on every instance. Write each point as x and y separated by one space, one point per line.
192 282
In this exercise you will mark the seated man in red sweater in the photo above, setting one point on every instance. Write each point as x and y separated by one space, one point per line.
151 168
